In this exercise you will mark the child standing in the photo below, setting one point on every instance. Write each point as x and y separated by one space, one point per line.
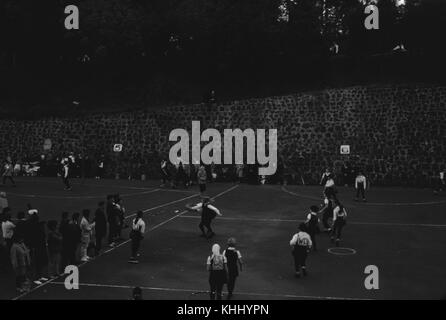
21 262
301 243
234 263
54 240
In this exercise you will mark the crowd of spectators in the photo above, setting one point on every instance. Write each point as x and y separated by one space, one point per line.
37 250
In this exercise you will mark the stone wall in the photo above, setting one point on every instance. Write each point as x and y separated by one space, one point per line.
397 134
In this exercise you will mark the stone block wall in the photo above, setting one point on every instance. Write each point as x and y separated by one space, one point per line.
397 134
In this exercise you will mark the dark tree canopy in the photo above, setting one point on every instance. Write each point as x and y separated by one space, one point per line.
167 51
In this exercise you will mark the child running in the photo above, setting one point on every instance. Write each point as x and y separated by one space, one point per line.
301 244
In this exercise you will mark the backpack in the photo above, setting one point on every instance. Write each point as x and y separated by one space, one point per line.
217 263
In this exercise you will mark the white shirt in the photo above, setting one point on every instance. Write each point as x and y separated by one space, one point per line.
337 213
360 179
329 183
8 229
139 226
210 206
442 175
65 170
301 239
86 227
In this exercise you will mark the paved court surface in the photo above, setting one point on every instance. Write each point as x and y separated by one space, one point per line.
400 230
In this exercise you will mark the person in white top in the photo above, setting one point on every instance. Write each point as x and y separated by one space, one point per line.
216 265
339 221
164 172
8 231
66 174
329 186
439 183
136 236
360 186
8 172
325 176
301 244
86 229
208 213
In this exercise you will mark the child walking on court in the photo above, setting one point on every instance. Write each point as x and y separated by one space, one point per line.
66 175
360 186
216 265
202 178
301 244
327 213
339 221
234 263
8 172
136 236
208 213
312 223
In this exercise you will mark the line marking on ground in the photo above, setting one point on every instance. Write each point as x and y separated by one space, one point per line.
127 241
349 251
349 222
203 291
369 203
79 197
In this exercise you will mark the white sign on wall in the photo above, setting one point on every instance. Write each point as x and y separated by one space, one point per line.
117 147
345 149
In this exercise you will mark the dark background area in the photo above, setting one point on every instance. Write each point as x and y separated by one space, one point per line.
161 52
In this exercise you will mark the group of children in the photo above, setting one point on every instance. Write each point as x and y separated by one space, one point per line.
305 240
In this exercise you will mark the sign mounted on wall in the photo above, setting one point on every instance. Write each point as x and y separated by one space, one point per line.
345 149
117 147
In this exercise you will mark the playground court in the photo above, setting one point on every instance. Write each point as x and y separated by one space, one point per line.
402 231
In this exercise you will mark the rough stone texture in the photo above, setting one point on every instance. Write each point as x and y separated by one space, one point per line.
396 133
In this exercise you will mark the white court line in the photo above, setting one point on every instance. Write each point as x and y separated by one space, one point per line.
108 186
370 203
203 291
75 183
349 222
79 197
164 205
301 195
127 241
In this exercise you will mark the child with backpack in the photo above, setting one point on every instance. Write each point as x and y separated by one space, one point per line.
216 265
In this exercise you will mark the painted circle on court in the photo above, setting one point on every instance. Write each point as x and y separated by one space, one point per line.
340 251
